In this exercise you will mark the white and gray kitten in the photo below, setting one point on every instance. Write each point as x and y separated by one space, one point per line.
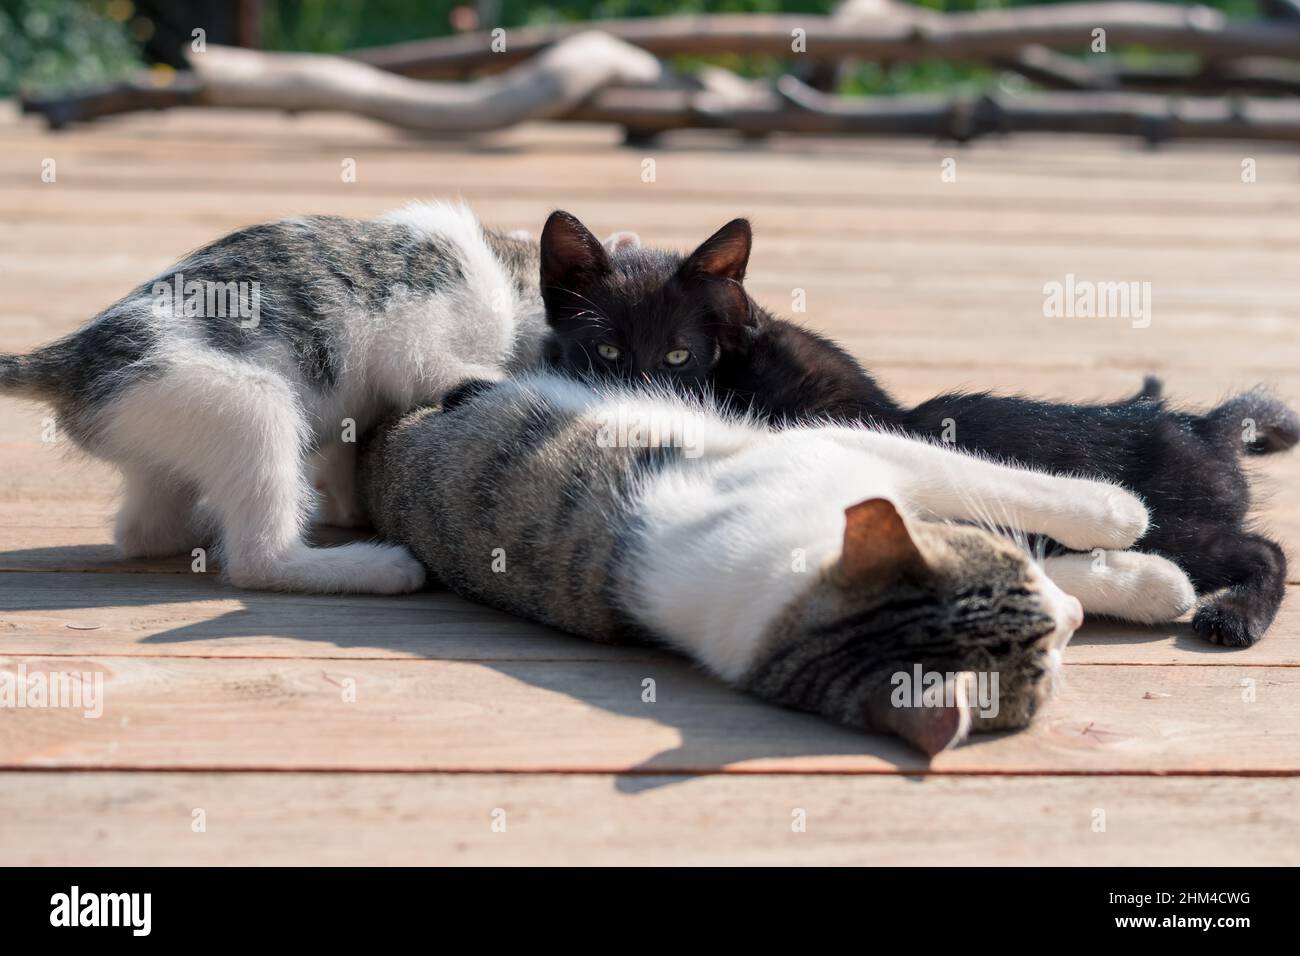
213 386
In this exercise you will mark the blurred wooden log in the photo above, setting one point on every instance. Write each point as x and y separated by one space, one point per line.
550 84
1055 71
794 107
149 91
797 108
1281 9
1251 75
906 35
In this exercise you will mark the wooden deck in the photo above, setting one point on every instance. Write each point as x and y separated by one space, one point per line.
234 704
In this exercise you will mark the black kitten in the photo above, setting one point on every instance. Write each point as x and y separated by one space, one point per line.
644 313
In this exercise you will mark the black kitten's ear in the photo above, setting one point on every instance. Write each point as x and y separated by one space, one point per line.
877 546
571 257
719 265
724 255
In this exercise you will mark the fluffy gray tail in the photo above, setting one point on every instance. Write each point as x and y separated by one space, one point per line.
1253 421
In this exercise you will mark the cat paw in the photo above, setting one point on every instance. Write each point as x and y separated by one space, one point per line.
1158 590
1115 521
393 571
1221 624
1167 594
359 568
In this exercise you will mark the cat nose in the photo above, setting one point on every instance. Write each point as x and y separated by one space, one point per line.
1073 612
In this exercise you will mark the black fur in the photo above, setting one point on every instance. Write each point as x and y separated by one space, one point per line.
1186 466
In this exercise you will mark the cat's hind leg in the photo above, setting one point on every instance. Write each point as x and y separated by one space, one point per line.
1239 614
237 431
157 514
1128 585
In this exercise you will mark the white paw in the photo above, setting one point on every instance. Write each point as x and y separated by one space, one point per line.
395 571
359 568
1113 519
1159 590
1128 518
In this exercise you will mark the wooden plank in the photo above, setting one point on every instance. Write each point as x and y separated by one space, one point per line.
185 615
615 207
190 615
908 259
676 227
1143 175
268 131
148 819
677 176
184 136
589 716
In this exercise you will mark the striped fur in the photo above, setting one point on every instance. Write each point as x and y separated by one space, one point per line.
727 542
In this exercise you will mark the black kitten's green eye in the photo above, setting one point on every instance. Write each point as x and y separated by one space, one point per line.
678 357
609 352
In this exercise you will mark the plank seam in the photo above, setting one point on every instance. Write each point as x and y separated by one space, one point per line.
645 771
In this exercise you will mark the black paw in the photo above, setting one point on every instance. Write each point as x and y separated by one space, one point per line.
1223 625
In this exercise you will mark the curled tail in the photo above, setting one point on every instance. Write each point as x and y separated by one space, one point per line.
1253 421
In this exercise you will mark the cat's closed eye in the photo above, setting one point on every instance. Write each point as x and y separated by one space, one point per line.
608 352
677 357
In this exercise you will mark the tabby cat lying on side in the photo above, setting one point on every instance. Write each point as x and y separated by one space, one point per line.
792 564
639 314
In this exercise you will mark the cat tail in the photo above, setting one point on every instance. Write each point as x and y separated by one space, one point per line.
1152 389
25 375
1255 421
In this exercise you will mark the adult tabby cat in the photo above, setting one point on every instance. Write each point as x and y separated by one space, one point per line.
211 385
625 515
644 313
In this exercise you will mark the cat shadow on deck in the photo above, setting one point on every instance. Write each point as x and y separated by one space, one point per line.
717 727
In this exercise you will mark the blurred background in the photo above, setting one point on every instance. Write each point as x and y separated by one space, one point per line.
47 44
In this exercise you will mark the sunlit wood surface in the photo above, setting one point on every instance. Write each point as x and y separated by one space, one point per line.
227 734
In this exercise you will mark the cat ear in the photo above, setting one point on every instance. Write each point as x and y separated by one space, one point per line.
571 256
724 255
723 258
621 240
930 727
877 545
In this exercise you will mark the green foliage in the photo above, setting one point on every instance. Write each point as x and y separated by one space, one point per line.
332 25
341 24
63 43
